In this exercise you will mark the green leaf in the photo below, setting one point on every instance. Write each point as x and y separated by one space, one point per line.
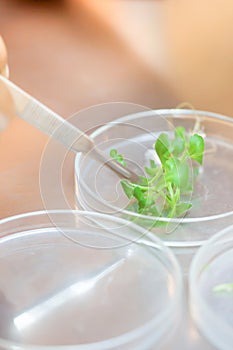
171 168
184 176
176 196
182 208
225 287
177 172
178 144
151 171
180 132
196 148
113 153
143 180
162 147
128 188
153 164
138 194
118 157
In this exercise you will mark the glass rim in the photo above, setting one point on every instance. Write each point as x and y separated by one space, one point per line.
124 338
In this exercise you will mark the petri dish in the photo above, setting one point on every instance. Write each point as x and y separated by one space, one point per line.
98 188
73 280
211 289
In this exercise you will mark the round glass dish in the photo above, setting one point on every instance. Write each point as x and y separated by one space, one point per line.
211 289
72 280
99 189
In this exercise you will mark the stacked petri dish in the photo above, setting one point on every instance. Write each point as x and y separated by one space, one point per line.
81 280
211 289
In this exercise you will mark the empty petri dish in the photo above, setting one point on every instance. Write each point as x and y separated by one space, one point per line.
73 280
98 188
211 289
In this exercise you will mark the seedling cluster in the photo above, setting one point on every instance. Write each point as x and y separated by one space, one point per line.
165 188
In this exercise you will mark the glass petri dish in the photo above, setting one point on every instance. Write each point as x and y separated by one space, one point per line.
211 289
72 280
98 188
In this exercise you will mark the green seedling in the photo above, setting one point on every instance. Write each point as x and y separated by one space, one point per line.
166 187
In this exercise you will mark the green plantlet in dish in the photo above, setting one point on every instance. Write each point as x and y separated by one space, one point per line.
224 288
164 189
118 157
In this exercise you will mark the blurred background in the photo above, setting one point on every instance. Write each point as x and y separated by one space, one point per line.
73 54
187 43
159 53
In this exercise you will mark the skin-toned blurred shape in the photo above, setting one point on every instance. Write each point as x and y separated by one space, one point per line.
3 58
6 102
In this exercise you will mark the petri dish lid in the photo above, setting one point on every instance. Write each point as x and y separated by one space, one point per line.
211 289
70 279
98 189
